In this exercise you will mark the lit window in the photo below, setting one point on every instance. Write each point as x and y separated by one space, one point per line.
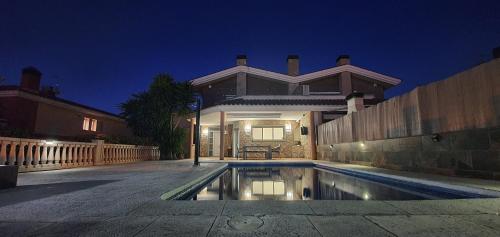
94 125
268 133
86 124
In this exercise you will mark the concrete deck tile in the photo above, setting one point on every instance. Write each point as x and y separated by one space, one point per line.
268 207
488 220
426 225
119 226
273 225
486 205
179 226
23 228
161 207
436 207
69 227
346 207
348 226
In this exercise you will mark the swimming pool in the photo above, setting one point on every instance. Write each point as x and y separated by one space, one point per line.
310 182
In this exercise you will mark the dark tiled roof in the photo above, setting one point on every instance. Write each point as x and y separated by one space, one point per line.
5 88
241 101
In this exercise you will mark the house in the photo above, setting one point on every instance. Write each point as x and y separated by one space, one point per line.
40 113
249 111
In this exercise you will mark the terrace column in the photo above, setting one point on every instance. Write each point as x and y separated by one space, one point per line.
312 133
221 136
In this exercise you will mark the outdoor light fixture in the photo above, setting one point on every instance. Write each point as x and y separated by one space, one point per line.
50 142
362 144
366 196
289 195
331 146
248 128
435 137
288 127
205 131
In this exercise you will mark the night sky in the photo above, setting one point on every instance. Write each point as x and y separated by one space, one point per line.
100 52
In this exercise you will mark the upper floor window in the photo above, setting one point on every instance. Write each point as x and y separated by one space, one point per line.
93 126
86 123
268 133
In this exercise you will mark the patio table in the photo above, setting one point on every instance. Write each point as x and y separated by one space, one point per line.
265 149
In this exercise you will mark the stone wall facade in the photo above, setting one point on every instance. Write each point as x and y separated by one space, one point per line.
474 153
293 146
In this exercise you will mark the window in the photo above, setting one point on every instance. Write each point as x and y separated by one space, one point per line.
86 124
268 133
93 126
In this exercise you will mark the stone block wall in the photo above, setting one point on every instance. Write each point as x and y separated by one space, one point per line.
290 148
470 153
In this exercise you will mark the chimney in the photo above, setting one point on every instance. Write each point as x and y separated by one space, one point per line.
30 79
355 102
496 52
343 60
293 65
241 60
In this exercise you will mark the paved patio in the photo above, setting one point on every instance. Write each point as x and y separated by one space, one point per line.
123 200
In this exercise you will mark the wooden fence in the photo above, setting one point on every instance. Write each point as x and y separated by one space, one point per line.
467 100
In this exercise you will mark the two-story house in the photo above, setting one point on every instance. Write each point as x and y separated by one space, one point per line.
249 112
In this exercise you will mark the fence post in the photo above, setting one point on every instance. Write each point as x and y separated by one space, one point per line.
98 152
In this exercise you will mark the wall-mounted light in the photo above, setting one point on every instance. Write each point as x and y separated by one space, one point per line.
331 146
366 196
50 142
205 131
248 128
435 137
362 145
288 127
289 195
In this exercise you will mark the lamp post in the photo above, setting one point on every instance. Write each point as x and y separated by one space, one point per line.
197 130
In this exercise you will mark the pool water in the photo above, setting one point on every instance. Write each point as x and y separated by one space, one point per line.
296 183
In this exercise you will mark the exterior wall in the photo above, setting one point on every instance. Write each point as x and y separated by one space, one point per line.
467 153
260 86
217 91
328 84
367 87
62 122
289 147
442 127
20 113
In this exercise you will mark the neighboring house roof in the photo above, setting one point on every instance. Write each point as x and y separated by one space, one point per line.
10 91
295 79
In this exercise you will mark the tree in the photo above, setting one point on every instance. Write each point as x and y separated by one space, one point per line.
157 114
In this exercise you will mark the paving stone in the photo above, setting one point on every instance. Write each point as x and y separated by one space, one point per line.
23 228
161 207
267 207
69 227
347 207
273 225
119 226
179 226
436 207
347 226
427 225
488 220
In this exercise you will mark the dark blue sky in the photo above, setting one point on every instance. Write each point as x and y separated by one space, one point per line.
100 52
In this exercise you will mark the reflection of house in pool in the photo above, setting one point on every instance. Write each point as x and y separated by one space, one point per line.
260 113
299 184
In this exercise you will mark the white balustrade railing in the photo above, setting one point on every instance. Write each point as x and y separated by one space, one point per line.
34 154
